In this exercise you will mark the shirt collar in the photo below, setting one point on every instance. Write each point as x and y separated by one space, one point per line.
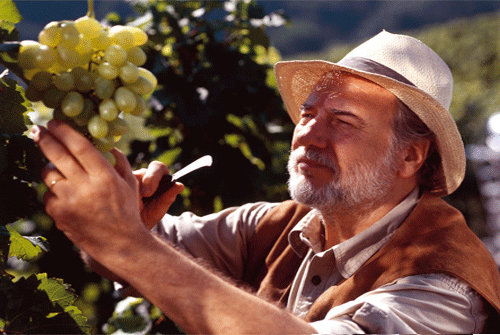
351 254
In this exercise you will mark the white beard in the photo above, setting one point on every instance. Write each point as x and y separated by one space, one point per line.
364 184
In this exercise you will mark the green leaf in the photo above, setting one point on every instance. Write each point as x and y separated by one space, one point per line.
29 308
11 107
4 247
24 248
57 290
9 12
8 32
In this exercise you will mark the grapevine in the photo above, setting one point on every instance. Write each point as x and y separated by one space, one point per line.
89 74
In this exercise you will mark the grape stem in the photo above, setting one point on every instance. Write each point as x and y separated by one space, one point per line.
90 11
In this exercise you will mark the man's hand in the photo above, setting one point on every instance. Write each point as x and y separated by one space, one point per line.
149 180
95 204
98 208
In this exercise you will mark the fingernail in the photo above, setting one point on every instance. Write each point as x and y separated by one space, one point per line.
53 123
35 133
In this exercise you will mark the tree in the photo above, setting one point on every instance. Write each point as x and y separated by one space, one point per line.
216 96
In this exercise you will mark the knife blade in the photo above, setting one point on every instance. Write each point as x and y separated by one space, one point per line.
167 181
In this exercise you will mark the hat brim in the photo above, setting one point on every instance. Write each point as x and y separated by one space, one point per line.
296 79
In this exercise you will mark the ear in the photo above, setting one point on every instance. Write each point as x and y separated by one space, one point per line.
413 157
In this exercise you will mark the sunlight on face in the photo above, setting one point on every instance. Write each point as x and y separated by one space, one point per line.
363 184
364 169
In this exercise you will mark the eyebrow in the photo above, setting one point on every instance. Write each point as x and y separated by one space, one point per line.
337 112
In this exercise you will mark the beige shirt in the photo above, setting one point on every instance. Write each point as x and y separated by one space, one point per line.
433 303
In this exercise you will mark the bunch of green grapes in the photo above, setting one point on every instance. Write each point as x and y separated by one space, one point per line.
89 74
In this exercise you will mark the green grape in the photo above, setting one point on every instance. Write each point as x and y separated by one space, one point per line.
129 72
70 37
148 75
98 127
72 104
104 144
118 127
32 94
57 67
104 88
115 55
27 54
136 56
108 110
51 34
140 106
140 37
101 42
41 80
64 81
89 27
52 97
141 86
84 117
108 71
110 158
44 57
59 115
121 36
83 79
68 58
84 47
125 99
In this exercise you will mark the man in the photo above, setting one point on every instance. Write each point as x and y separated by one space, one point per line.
367 245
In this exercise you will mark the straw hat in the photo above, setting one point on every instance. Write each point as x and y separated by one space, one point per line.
407 68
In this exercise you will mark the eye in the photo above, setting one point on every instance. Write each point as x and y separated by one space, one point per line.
341 122
306 113
345 123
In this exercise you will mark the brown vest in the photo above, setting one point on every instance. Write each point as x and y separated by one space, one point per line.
433 239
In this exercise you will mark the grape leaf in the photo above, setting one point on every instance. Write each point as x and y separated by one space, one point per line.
57 291
4 247
11 107
9 12
24 248
27 308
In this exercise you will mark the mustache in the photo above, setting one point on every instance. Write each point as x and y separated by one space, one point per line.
314 155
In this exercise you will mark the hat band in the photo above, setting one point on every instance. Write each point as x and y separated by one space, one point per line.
368 65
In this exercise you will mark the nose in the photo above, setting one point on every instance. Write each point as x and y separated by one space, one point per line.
314 132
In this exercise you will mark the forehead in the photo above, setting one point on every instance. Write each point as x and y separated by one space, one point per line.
346 89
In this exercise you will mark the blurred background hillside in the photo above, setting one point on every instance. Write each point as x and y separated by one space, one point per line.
315 25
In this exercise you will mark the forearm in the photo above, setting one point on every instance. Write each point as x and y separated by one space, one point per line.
194 298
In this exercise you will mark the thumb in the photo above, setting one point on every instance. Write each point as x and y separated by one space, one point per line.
158 206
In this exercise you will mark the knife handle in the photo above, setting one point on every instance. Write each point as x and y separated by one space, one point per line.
165 184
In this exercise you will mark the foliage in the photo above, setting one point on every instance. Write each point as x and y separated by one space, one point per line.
216 96
35 304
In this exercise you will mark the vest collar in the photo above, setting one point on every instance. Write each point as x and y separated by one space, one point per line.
351 254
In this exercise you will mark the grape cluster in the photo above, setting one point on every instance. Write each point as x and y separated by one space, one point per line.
89 74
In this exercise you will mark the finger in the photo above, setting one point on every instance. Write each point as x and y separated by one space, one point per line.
55 152
123 167
156 170
51 175
139 174
81 148
158 206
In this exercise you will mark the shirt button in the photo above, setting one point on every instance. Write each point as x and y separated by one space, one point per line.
316 280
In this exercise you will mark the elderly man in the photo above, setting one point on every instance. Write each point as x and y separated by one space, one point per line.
366 244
